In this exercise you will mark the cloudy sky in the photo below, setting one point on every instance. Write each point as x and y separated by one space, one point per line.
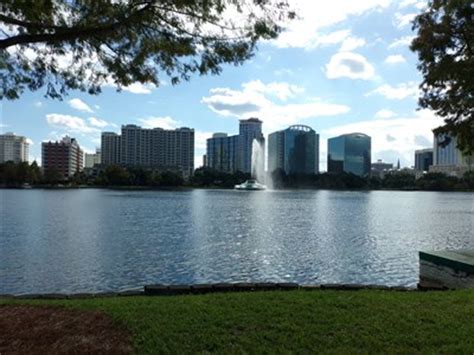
343 67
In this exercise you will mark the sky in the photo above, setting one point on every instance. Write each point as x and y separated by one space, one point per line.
343 66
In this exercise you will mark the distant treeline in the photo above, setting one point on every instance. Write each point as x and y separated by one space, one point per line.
12 174
399 180
18 174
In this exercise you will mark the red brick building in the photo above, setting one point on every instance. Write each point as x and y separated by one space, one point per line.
64 158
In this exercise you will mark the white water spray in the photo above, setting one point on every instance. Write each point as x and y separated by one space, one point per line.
258 161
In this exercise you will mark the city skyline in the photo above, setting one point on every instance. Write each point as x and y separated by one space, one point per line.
328 71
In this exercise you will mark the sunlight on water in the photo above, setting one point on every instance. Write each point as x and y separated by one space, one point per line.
102 240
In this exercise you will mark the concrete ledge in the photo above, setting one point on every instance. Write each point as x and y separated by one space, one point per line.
451 269
196 289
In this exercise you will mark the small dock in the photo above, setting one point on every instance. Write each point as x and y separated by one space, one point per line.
447 269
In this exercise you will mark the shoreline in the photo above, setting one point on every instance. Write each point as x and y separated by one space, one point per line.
212 288
189 188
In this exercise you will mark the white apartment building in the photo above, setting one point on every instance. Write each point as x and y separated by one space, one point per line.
13 148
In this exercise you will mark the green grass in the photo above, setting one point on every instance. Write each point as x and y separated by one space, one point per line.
296 321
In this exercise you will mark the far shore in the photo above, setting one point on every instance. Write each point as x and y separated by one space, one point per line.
188 188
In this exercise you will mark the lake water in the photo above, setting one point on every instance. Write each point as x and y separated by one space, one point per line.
95 240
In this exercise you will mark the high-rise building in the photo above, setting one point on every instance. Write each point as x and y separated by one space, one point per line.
222 152
295 150
423 159
92 159
64 157
110 148
448 159
350 153
249 130
155 148
13 148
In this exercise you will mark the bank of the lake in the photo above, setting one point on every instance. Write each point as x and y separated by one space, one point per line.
291 321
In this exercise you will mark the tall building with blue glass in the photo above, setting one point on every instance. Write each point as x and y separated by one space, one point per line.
350 153
295 150
423 159
221 153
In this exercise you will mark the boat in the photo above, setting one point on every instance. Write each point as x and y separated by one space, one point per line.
250 185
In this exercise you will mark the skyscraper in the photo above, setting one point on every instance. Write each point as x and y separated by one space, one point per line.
155 148
64 157
447 158
423 159
110 148
222 152
295 150
249 130
13 148
350 153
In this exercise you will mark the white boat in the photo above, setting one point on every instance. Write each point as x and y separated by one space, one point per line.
251 185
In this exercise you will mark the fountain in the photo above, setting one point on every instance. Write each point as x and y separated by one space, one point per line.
258 161
257 168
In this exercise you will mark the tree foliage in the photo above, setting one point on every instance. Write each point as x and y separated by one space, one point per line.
445 44
86 44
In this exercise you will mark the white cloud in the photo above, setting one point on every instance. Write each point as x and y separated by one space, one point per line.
393 138
349 65
315 17
70 123
38 104
342 37
159 122
97 122
79 105
415 3
30 141
398 92
253 101
139 88
97 107
402 21
281 90
395 59
385 113
401 42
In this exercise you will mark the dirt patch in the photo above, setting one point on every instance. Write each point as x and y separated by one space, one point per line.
48 329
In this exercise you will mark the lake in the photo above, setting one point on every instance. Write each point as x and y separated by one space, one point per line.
91 240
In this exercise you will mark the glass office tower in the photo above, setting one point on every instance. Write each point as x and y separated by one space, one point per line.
295 150
221 153
350 153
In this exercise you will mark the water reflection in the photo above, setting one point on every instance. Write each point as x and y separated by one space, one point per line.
98 240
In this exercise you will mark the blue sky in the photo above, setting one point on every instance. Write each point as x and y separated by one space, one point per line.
344 66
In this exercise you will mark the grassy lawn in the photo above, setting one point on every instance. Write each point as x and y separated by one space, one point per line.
293 321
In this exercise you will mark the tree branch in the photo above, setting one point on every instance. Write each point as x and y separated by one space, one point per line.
68 33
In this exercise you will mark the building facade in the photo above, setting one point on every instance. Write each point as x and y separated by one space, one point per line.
155 148
13 148
423 159
64 158
249 130
295 150
221 152
234 153
92 159
110 148
448 159
350 153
